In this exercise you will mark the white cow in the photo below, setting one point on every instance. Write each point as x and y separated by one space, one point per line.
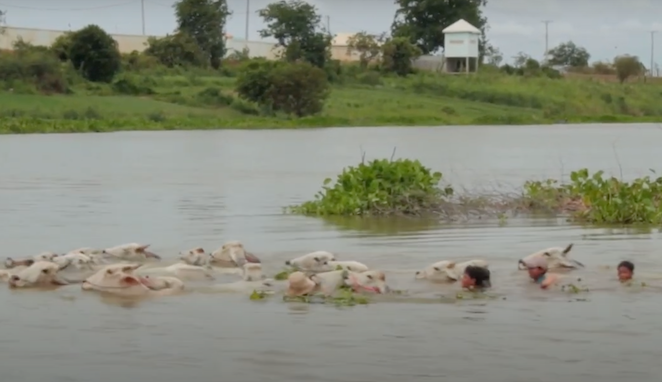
556 258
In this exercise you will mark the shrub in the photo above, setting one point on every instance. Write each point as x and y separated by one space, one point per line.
136 61
254 79
551 73
299 89
39 69
294 88
597 199
380 187
334 71
628 66
176 50
214 97
94 53
129 85
244 107
369 78
21 47
61 47
398 55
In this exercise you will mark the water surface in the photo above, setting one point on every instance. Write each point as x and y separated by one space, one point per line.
178 190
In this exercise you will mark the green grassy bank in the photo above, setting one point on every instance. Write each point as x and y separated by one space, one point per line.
169 100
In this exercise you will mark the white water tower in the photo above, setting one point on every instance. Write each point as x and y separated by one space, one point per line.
461 47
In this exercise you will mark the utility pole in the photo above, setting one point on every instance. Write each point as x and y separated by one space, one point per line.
652 51
248 17
546 22
142 5
328 24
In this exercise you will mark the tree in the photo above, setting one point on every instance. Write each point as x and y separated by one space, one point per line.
521 59
493 56
367 45
204 21
398 54
422 21
297 88
94 53
297 28
627 66
568 54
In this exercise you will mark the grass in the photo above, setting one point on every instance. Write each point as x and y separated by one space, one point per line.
174 101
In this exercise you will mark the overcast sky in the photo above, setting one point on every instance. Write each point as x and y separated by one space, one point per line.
606 28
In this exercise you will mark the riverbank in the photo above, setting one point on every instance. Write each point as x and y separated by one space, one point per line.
157 101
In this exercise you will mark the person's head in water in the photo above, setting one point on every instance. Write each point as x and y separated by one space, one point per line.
625 270
537 268
476 277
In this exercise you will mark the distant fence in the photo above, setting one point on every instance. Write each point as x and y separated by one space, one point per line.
129 43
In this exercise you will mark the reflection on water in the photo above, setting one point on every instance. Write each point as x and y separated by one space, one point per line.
380 226
179 190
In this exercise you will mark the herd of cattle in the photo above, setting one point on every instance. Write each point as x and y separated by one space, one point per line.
132 270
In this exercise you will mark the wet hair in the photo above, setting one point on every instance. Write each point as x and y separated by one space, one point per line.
480 274
627 264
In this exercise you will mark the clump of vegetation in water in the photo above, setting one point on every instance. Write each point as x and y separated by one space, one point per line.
595 198
473 295
573 289
342 297
378 188
258 295
405 187
284 274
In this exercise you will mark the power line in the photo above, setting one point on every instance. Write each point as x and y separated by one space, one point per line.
69 9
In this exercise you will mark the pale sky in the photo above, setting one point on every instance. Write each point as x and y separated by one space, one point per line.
606 28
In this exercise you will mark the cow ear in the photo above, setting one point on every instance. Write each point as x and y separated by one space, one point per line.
130 280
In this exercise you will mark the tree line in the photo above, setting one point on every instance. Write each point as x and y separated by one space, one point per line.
572 58
298 83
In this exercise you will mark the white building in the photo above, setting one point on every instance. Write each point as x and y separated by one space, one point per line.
461 47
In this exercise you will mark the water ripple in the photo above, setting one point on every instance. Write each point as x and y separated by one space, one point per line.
226 185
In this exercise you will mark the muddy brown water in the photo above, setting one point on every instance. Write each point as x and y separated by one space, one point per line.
178 190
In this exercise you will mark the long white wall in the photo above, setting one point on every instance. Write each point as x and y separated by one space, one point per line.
129 43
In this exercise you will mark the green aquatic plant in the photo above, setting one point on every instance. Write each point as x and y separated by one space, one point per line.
630 283
379 187
346 297
595 198
473 294
573 289
259 295
284 274
342 297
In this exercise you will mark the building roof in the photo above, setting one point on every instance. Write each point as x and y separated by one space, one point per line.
461 26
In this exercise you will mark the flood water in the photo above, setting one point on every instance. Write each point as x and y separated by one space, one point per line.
178 190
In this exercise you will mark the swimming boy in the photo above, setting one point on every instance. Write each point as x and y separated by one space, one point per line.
538 272
625 271
476 278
